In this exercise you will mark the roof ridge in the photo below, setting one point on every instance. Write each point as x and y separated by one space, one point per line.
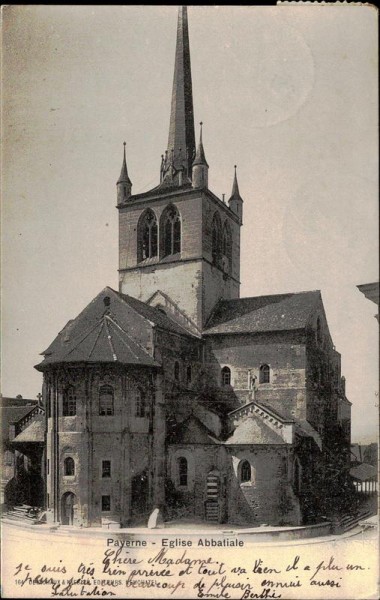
267 296
80 340
96 340
128 336
156 310
109 337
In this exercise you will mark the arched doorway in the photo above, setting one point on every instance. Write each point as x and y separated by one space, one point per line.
67 508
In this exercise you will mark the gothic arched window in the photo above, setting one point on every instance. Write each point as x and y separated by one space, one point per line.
69 466
182 471
69 404
264 374
226 376
216 239
171 232
188 374
245 472
227 246
106 407
147 235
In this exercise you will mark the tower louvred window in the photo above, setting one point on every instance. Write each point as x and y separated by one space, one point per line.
172 231
216 239
227 243
148 235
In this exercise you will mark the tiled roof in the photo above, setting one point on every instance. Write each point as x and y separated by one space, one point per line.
192 431
252 430
281 312
107 330
34 432
153 314
8 401
218 401
164 188
363 472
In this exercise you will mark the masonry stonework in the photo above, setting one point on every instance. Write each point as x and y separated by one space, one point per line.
175 393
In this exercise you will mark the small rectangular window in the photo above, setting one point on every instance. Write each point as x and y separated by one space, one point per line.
48 467
69 404
48 500
106 405
106 468
106 503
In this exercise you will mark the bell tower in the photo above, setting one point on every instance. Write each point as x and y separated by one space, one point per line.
179 244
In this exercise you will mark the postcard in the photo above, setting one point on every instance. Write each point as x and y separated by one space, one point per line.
190 301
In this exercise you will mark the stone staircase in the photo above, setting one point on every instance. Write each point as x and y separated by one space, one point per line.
350 521
22 514
212 511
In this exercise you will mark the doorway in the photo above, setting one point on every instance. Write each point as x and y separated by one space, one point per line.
67 512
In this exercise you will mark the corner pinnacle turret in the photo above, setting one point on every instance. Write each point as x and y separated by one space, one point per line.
200 166
124 184
181 142
236 201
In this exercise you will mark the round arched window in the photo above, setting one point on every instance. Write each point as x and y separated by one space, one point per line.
245 472
264 374
226 376
69 466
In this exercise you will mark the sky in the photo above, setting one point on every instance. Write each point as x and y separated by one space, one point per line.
288 93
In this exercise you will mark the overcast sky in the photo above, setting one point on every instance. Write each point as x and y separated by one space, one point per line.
287 93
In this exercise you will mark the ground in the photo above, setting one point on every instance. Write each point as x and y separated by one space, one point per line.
346 565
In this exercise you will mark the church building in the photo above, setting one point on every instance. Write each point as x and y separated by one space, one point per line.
175 393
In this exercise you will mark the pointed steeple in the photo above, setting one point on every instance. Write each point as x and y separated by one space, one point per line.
236 201
124 178
200 166
181 130
124 184
235 187
200 158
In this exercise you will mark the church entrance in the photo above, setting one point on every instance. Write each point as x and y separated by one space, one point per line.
67 508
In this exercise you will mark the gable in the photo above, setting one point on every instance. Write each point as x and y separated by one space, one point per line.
252 430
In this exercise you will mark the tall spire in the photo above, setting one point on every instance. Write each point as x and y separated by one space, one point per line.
181 130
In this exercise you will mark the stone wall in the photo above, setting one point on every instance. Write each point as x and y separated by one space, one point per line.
268 498
283 352
123 438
